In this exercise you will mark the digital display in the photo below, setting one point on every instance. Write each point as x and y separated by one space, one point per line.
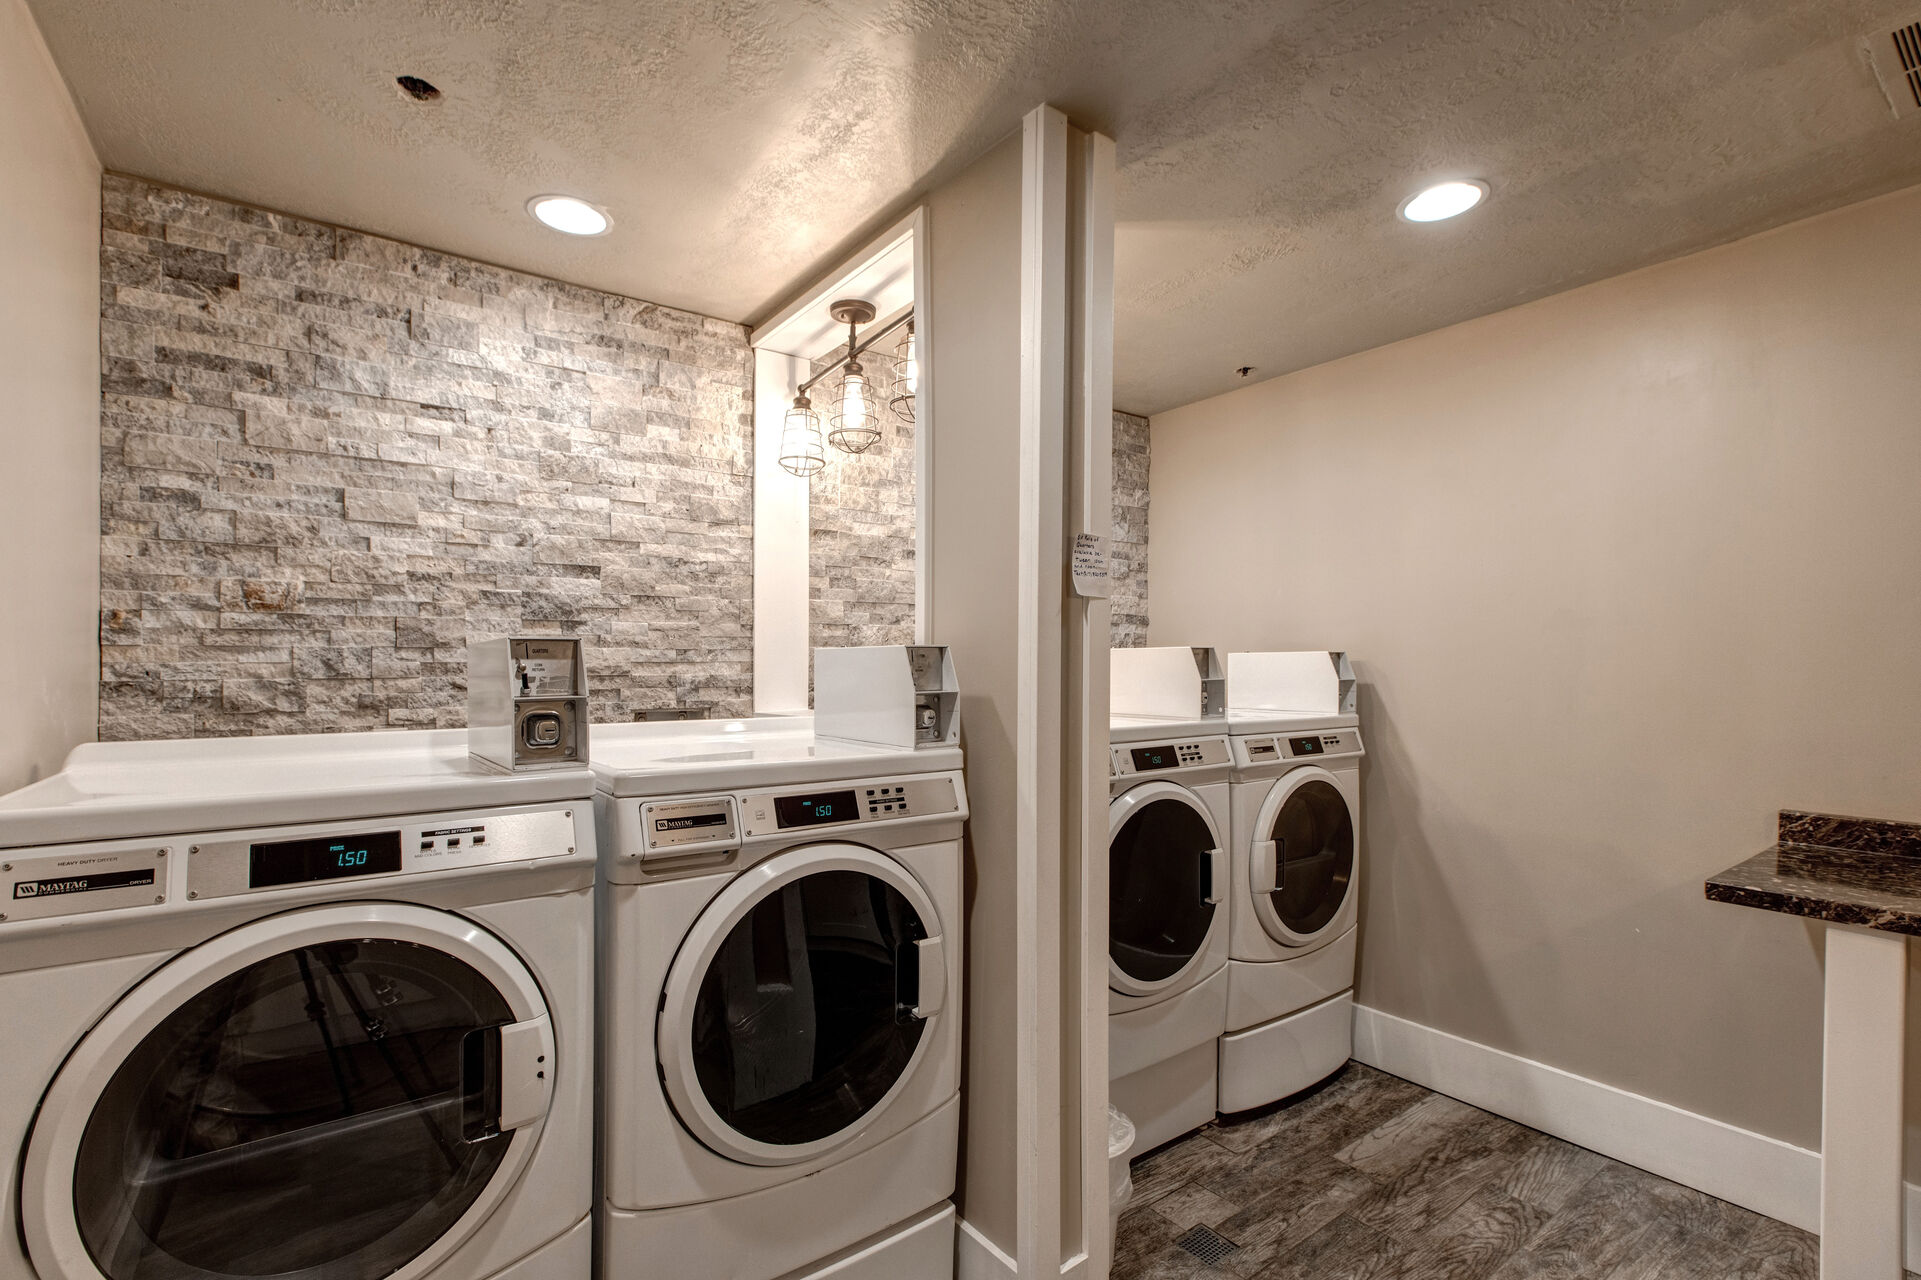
1304 746
323 858
1154 758
689 822
808 811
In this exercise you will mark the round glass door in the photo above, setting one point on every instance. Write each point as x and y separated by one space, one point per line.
1160 875
326 1111
1313 837
800 1003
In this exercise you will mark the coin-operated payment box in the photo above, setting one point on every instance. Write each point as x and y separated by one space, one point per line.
526 703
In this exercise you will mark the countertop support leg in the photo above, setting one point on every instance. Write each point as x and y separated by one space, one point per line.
1861 1105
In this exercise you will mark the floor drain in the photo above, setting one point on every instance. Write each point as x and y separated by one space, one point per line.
1207 1244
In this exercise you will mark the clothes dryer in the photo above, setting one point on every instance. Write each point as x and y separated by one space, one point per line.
781 1003
1296 799
1167 880
297 1007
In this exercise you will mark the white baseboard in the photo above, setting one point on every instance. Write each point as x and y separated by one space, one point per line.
1737 1165
978 1258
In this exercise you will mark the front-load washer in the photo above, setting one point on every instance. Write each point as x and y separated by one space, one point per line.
1167 874
781 1002
1296 884
297 1007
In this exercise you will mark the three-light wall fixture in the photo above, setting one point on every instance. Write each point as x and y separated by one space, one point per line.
853 423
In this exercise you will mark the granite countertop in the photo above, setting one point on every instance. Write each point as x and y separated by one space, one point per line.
1859 871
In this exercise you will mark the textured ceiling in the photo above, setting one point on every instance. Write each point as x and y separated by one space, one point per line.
742 144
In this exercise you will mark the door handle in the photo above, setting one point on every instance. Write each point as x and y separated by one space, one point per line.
526 1072
932 992
1264 866
1216 876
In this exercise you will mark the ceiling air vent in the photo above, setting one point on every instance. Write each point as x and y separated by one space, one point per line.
1896 59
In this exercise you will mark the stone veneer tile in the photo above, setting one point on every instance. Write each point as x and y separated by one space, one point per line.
1130 530
861 536
326 458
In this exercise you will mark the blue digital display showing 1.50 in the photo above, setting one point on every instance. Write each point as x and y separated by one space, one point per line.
323 858
808 811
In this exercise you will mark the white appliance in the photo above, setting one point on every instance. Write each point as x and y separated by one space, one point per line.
297 1007
1167 879
781 1002
1296 826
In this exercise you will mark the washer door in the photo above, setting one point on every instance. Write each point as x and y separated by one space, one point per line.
800 1003
1166 866
328 1093
1301 863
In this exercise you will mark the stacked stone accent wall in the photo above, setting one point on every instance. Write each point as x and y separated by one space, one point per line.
861 518
1130 530
861 526
327 458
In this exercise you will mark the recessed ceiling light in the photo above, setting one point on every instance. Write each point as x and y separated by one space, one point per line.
565 213
1444 200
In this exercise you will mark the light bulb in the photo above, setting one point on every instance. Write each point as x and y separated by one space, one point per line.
856 425
1445 200
573 216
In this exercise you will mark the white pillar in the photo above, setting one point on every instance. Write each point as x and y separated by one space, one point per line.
1861 1105
781 648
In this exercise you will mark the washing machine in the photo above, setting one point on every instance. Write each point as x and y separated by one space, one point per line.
781 1003
1167 881
1296 824
297 1007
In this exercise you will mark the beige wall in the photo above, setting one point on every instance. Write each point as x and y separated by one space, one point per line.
1623 572
50 408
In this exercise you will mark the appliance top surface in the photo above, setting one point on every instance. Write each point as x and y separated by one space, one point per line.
697 755
125 790
1246 720
1150 728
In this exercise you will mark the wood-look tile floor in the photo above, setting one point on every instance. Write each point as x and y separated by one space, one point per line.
1371 1178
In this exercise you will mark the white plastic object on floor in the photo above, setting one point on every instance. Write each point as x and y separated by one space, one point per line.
1120 1178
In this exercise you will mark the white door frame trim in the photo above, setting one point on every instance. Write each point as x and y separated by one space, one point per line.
783 647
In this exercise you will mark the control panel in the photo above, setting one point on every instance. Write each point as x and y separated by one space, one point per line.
174 871
1279 747
862 803
1153 757
222 868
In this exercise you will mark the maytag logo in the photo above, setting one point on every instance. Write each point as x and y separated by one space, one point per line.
82 884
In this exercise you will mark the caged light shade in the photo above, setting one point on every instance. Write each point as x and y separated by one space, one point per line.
801 451
906 376
855 426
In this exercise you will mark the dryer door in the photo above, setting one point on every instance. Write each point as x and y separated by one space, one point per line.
343 1091
1301 863
1166 871
800 1003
